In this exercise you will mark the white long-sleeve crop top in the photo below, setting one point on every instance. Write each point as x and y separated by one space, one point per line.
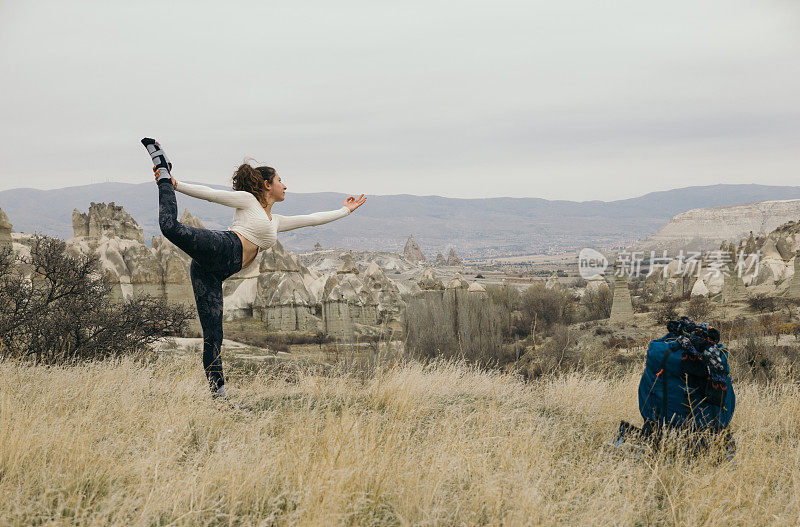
251 220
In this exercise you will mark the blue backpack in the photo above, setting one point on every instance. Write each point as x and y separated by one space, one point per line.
667 395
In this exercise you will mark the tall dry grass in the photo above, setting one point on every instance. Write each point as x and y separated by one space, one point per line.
119 443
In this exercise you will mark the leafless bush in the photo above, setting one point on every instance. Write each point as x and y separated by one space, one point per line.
735 329
557 354
603 330
762 302
460 325
618 342
509 299
57 308
505 295
699 308
597 303
753 361
251 331
666 311
547 306
580 282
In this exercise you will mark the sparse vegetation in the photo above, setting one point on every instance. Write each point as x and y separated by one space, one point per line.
666 310
597 303
57 308
547 306
459 325
699 308
251 331
495 413
761 302
411 445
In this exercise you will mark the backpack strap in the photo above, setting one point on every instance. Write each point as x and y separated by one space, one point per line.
664 384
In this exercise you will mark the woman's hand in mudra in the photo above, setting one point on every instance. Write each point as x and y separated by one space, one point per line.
353 203
174 183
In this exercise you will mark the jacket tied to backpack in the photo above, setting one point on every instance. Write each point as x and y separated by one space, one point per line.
686 381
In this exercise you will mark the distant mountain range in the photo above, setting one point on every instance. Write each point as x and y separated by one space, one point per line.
474 227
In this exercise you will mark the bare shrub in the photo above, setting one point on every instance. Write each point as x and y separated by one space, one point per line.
427 327
771 326
580 282
735 329
699 308
547 306
57 308
618 342
761 361
603 330
555 355
640 304
752 361
460 325
667 310
509 299
762 302
597 303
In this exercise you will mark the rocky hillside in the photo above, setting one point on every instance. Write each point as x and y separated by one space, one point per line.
700 229
340 293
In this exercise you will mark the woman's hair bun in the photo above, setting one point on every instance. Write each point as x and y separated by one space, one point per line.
251 179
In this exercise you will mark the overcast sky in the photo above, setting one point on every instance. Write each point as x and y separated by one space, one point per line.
572 99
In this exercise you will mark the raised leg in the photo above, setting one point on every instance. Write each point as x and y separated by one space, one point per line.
197 243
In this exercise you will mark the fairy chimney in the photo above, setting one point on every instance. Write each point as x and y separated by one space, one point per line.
412 252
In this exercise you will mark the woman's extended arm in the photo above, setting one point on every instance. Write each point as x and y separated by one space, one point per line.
230 198
287 223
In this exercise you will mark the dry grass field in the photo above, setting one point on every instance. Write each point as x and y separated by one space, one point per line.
121 443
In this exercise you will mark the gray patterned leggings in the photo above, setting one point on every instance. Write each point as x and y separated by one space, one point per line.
215 256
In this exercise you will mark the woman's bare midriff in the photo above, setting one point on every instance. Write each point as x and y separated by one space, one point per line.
249 250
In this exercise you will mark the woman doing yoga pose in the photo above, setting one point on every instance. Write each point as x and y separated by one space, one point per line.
216 255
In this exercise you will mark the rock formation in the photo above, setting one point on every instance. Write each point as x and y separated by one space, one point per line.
763 263
477 288
277 288
699 288
733 289
191 221
700 229
384 291
283 300
346 302
429 281
552 281
453 259
131 267
347 265
5 228
125 261
622 307
329 260
457 282
440 260
766 262
106 221
291 297
412 252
